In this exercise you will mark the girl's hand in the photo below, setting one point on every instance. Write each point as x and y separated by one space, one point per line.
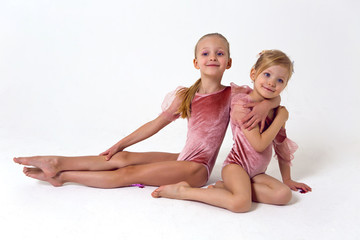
110 152
295 186
258 114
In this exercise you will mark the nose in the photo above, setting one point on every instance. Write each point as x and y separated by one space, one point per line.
213 57
272 82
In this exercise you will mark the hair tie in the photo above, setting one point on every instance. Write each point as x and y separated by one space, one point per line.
261 53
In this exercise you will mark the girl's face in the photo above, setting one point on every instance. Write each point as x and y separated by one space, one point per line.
270 82
212 57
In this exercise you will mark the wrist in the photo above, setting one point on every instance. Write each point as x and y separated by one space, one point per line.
286 179
120 146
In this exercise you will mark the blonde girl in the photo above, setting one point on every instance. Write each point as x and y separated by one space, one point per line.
206 105
243 173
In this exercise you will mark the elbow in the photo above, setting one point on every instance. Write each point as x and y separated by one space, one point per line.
259 148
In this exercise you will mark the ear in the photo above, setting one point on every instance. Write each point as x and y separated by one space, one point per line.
196 64
229 63
252 74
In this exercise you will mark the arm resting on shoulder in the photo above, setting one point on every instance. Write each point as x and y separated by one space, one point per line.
260 141
259 112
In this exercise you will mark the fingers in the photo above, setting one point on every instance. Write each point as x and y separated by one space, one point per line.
250 105
247 124
247 119
303 188
306 188
109 156
251 124
103 153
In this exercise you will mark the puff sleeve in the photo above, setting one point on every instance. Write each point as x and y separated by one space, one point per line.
170 105
284 147
239 96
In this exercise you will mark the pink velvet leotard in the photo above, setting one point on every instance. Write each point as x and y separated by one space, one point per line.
207 125
242 153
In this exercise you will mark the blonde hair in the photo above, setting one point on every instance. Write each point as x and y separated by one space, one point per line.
187 94
270 58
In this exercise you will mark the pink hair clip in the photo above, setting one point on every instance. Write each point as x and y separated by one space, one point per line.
137 185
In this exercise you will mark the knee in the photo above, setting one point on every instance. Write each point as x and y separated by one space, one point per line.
120 156
282 195
239 204
119 178
120 159
197 175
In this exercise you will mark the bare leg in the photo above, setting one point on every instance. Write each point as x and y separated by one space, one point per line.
152 174
52 165
234 194
267 189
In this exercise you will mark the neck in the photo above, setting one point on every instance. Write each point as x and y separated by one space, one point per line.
210 85
256 96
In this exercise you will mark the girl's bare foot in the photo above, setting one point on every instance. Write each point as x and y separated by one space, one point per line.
48 165
170 191
40 175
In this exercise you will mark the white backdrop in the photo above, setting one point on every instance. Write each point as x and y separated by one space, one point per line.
76 76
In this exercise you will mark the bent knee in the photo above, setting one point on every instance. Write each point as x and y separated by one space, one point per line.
240 204
197 175
283 195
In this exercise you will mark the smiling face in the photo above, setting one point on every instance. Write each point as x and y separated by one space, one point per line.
212 56
270 82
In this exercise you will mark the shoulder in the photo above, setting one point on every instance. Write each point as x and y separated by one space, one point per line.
240 94
236 89
172 98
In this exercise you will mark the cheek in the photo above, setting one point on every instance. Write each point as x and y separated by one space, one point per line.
280 88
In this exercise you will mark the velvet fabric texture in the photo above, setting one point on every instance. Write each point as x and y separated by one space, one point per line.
207 125
242 153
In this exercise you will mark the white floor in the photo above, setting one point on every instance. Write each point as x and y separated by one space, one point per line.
34 210
76 77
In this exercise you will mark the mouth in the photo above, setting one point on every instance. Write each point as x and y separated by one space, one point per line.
268 89
212 65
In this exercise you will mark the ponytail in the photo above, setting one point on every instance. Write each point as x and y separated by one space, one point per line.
187 95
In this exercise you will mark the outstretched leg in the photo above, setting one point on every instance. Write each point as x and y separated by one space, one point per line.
266 189
152 174
52 165
233 194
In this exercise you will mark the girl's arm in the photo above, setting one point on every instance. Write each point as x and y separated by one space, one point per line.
259 112
286 177
140 134
170 106
260 141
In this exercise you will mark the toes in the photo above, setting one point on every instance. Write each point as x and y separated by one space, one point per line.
30 172
17 160
156 193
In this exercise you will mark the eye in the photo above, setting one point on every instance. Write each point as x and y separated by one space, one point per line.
220 54
204 53
267 74
280 80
